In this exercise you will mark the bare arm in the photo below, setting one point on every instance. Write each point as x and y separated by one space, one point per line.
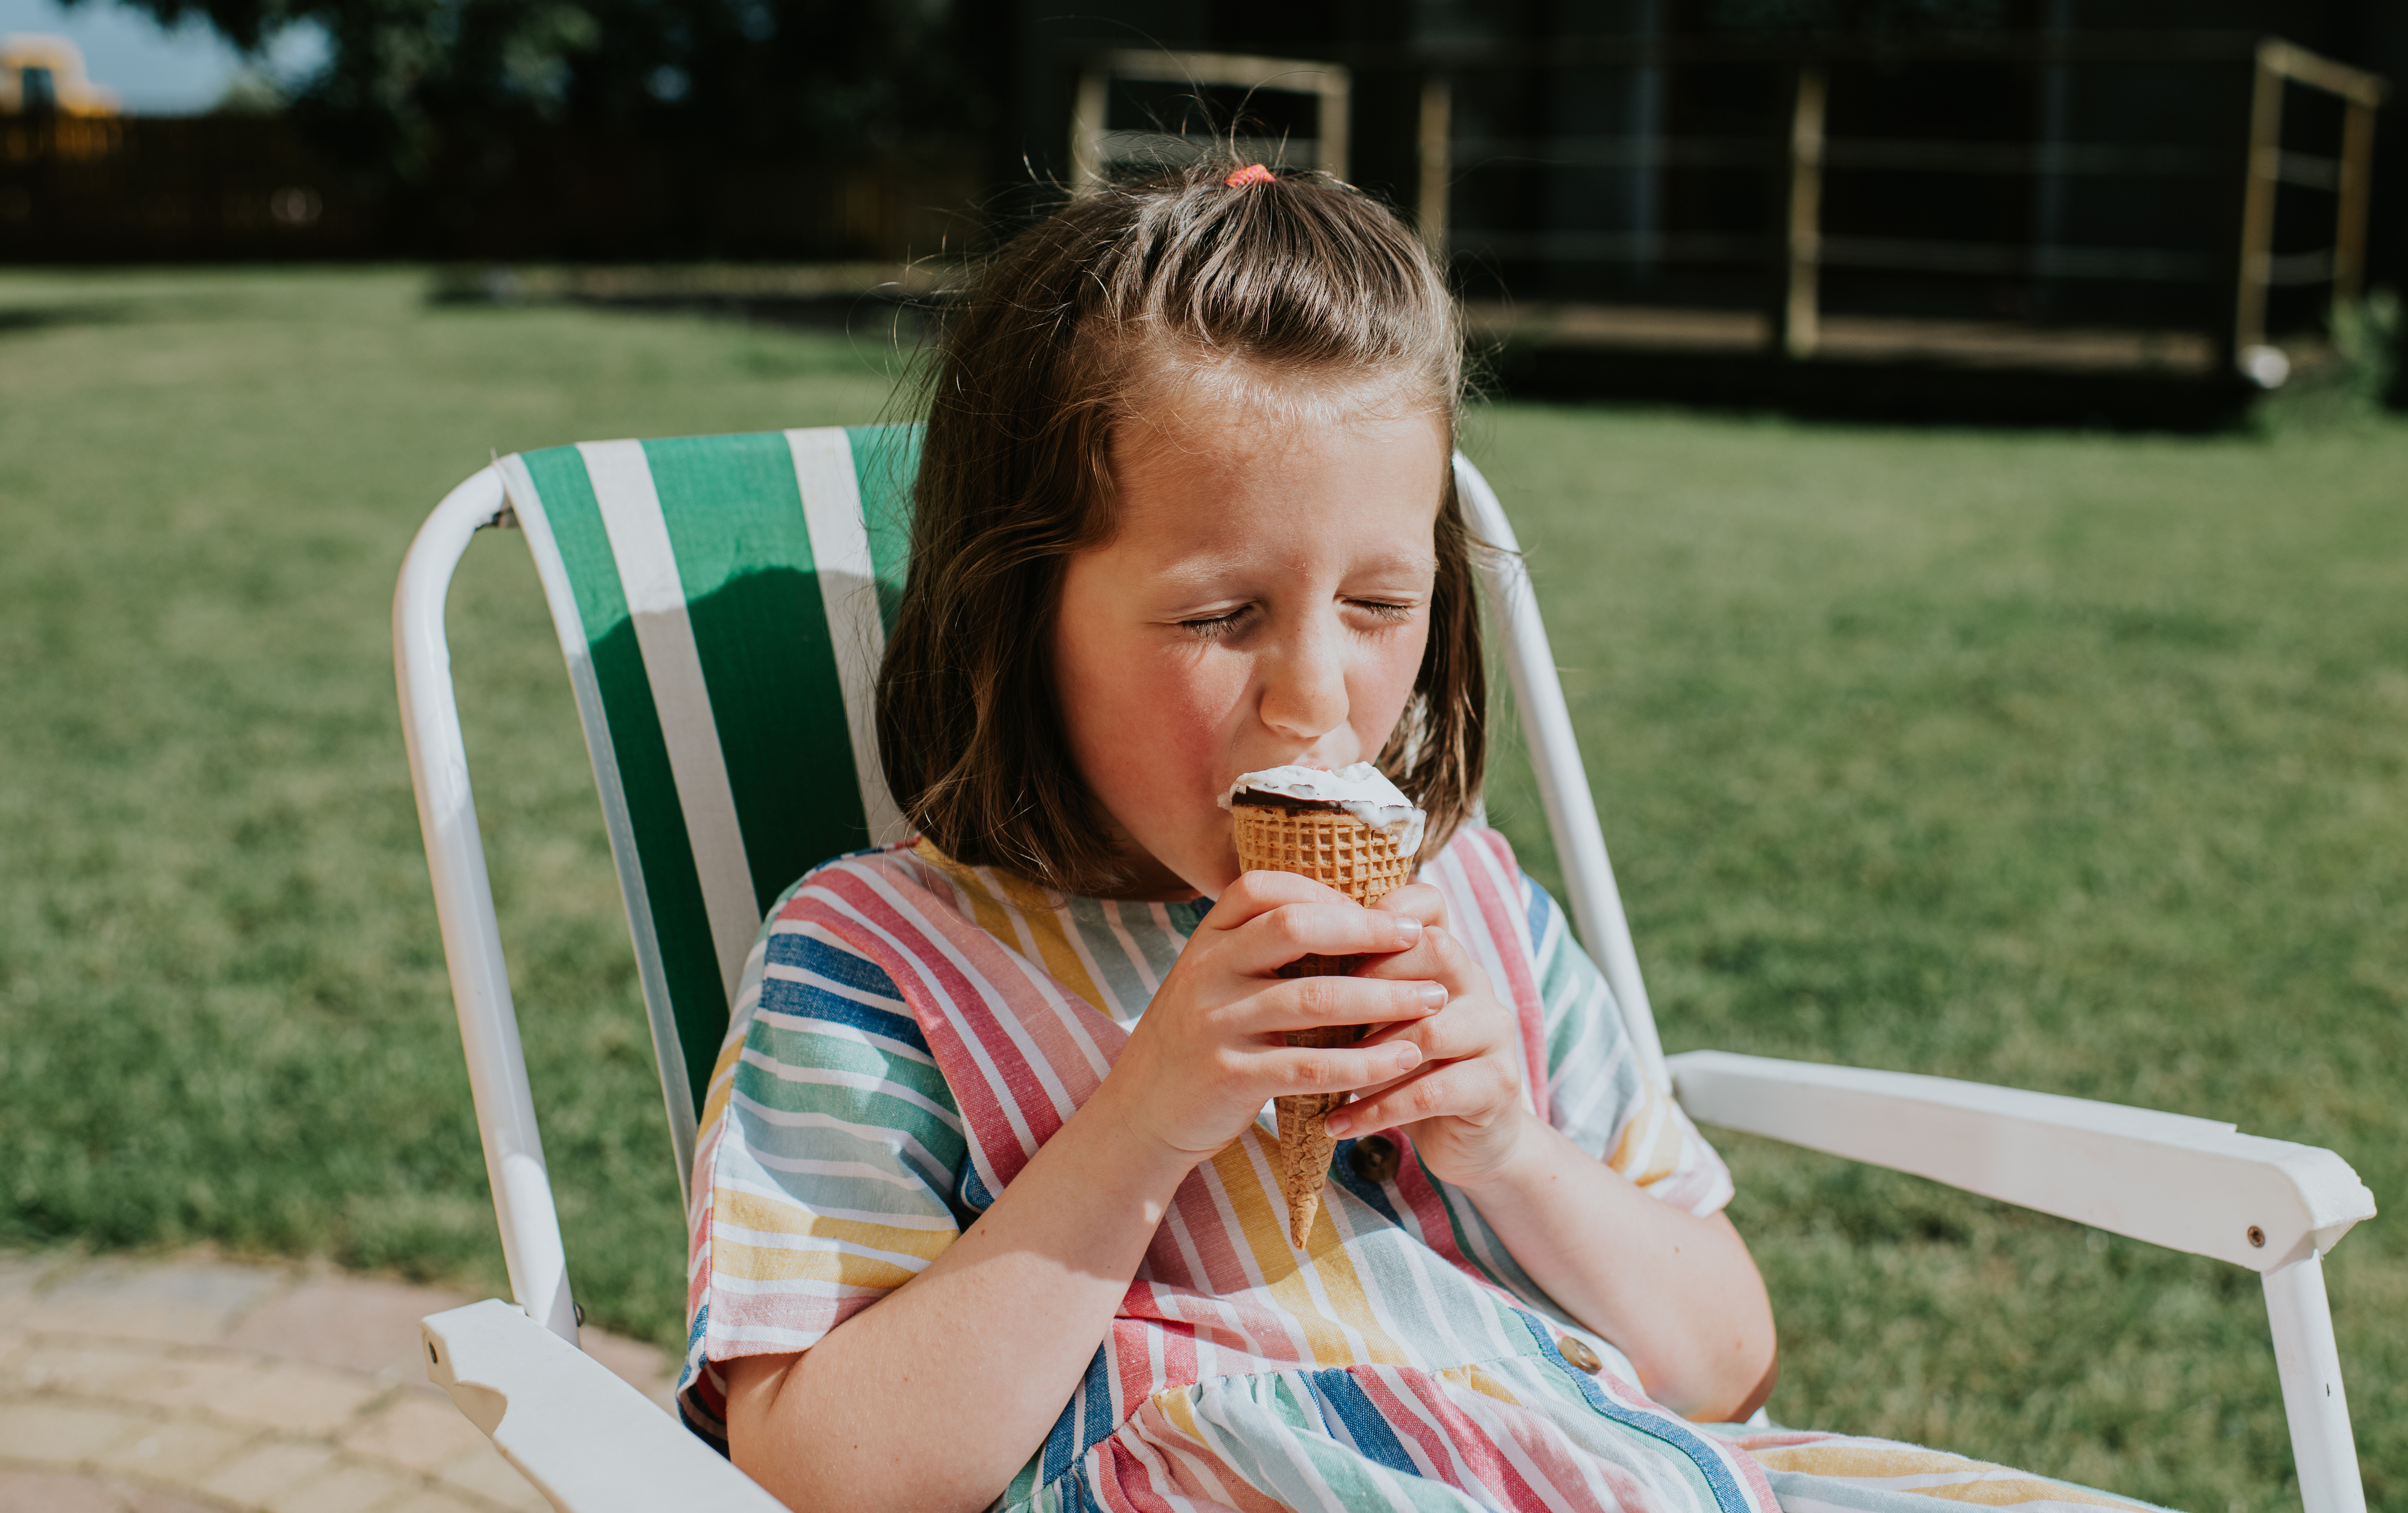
933 1398
936 1395
1679 1294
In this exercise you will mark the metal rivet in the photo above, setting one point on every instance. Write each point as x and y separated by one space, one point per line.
2256 1237
578 1309
1374 1159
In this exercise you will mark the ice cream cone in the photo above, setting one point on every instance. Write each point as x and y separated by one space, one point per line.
1329 846
1366 863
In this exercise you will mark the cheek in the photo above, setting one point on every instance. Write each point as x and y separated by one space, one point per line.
1146 722
1382 684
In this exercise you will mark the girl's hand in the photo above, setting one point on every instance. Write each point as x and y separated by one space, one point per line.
1463 1107
1210 1048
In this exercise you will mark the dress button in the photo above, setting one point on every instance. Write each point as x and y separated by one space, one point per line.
1576 1351
1374 1158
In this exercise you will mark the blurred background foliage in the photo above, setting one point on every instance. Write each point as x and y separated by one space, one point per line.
414 86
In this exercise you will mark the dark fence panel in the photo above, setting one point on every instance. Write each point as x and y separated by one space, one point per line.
174 189
235 188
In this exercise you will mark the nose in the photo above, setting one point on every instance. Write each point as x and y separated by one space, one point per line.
1304 680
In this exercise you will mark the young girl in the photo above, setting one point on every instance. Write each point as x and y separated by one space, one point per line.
983 1209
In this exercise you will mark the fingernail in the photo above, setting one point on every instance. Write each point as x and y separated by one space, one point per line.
1409 930
1433 995
1409 1056
1338 1125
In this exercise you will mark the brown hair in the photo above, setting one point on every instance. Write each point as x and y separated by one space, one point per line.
1299 275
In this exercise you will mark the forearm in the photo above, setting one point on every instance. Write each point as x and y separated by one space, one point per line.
934 1397
1676 1293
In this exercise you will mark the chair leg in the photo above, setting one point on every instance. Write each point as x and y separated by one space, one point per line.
2312 1394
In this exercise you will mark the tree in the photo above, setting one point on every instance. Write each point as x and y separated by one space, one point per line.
411 85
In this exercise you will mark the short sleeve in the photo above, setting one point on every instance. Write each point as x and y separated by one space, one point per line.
828 1168
1597 1093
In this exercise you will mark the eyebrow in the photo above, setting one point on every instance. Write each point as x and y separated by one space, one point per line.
1200 570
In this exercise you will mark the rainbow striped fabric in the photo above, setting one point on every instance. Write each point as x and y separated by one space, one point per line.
909 1031
1812 1472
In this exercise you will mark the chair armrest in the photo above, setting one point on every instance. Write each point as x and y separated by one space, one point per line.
589 1442
2183 1182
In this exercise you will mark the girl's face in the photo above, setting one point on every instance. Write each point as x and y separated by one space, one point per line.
1264 599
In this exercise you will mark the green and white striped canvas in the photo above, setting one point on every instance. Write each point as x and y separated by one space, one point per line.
724 604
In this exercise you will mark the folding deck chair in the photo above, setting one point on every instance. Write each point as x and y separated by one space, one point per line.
723 604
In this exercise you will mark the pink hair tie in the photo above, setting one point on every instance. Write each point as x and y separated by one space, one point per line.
1253 173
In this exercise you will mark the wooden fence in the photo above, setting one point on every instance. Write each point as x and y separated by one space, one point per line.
2249 210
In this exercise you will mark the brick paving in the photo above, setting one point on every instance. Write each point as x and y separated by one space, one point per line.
196 1385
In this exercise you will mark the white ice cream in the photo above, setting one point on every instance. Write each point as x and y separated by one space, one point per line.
1361 790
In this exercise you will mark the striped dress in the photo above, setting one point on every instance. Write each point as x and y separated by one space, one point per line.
909 1031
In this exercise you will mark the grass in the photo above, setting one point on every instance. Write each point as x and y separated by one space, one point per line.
2073 762
225 1012
2066 760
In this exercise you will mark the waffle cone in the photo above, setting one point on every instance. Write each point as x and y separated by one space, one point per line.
1330 846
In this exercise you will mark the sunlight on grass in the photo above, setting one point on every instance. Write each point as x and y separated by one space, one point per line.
226 1016
2071 761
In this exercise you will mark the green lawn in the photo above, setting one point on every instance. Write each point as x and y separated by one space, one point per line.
2069 760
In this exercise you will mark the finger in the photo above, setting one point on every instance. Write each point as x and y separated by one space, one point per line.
1457 1033
1473 1089
1336 1068
1364 1095
1419 900
1271 941
1466 1029
1255 894
1310 1003
1438 957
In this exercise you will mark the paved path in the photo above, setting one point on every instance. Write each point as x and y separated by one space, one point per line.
203 1386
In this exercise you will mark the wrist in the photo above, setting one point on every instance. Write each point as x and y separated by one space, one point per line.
1526 1159
1152 1163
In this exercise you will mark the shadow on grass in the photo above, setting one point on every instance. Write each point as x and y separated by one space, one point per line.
46 317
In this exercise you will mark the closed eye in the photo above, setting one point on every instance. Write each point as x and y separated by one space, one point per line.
1212 626
1383 610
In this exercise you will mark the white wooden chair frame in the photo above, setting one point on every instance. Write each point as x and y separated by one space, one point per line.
593 1445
